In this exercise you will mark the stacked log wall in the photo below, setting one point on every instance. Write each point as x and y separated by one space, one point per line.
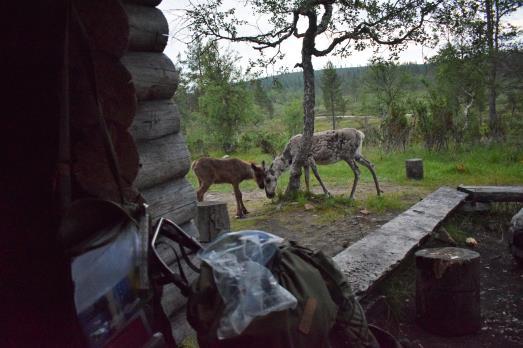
164 156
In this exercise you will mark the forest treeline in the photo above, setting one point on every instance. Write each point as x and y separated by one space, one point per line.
439 104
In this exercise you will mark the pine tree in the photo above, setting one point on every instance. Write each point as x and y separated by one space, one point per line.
331 89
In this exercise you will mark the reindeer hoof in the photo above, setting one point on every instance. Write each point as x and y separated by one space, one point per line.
240 216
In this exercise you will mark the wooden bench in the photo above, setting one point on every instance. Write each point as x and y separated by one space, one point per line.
370 259
493 193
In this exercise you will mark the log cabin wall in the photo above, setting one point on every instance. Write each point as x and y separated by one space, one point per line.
164 156
135 85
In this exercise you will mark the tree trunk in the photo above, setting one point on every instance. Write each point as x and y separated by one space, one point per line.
414 168
308 106
212 219
492 61
332 113
448 290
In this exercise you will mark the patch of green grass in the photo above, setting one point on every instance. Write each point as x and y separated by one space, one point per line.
456 232
479 165
251 223
399 286
388 202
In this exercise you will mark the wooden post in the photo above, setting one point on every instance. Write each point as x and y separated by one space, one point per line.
448 291
414 168
212 218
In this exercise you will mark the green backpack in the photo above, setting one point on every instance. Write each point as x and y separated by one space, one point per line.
327 314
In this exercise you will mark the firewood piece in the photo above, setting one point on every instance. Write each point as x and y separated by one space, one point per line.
153 74
448 290
162 159
92 170
155 119
115 90
414 168
144 2
212 218
175 200
106 25
149 29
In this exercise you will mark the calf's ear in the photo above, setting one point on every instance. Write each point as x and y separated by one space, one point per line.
254 167
263 164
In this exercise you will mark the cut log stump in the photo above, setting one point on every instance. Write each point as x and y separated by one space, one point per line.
448 291
414 168
212 219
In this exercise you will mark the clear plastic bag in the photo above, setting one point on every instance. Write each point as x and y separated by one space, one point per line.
247 287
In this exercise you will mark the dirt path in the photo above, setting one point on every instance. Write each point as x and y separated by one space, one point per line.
310 227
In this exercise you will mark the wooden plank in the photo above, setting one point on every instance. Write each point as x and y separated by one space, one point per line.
155 119
377 254
149 30
162 159
493 193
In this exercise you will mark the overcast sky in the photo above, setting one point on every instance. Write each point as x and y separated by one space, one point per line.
173 9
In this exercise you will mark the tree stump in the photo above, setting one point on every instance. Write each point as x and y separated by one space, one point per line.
212 218
414 168
448 291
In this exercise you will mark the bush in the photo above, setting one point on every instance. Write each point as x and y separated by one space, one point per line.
395 128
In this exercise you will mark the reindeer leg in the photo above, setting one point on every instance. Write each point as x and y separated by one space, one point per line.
201 191
307 177
312 164
356 171
370 166
240 208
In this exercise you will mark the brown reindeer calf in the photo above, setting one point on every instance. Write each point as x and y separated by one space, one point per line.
226 171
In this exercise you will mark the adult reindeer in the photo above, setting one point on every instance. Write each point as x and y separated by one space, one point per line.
226 171
327 147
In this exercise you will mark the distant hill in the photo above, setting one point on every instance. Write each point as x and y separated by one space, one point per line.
294 81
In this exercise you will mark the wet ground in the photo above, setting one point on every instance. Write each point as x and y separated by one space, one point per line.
501 293
501 279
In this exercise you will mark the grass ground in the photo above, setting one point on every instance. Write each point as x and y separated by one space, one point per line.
486 165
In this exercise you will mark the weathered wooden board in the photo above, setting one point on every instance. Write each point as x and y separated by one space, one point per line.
493 193
155 119
106 25
373 257
153 74
162 159
149 29
175 200
144 2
